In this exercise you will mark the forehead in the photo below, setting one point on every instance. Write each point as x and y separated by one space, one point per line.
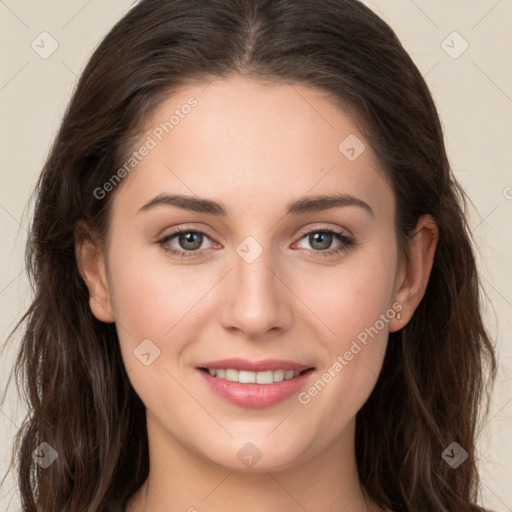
240 140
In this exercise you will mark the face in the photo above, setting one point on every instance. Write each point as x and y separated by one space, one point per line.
268 278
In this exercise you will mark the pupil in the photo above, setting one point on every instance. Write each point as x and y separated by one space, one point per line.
317 237
188 238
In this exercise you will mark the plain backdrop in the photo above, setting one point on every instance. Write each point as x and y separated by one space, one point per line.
462 49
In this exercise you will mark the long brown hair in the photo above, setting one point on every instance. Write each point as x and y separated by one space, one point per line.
429 393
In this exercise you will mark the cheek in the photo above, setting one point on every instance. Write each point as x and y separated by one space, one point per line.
354 307
156 304
150 296
150 300
350 298
144 301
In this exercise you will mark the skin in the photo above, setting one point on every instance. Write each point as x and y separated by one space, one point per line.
255 147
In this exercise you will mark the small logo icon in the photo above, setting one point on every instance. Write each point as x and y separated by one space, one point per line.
45 455
249 455
146 352
249 249
455 455
351 147
44 45
454 45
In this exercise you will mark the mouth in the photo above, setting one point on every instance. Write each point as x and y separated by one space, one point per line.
258 385
265 377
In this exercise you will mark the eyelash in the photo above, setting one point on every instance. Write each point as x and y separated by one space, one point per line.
345 246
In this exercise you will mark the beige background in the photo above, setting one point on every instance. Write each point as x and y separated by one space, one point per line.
473 93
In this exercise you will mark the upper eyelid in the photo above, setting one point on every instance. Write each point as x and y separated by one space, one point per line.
338 230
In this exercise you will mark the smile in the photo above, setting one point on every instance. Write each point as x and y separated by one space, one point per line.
249 377
256 390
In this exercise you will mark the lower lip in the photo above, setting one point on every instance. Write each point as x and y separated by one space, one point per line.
256 396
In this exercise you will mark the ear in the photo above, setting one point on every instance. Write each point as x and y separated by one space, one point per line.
91 265
414 271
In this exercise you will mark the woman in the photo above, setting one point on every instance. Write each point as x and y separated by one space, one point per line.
254 281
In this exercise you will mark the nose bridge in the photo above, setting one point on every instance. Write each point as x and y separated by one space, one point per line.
257 301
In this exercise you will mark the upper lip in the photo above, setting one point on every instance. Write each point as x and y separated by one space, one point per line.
255 366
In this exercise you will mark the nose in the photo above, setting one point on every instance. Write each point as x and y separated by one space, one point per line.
257 299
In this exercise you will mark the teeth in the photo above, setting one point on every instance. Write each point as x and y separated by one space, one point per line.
247 377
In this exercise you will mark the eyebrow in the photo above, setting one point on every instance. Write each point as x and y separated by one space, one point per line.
300 206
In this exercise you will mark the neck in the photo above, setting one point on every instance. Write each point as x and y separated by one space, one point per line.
179 480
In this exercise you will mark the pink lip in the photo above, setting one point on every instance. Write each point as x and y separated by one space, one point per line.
256 396
254 366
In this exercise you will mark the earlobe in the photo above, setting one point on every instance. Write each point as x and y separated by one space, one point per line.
91 265
412 281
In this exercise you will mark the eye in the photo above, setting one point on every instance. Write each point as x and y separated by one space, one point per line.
189 242
321 239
